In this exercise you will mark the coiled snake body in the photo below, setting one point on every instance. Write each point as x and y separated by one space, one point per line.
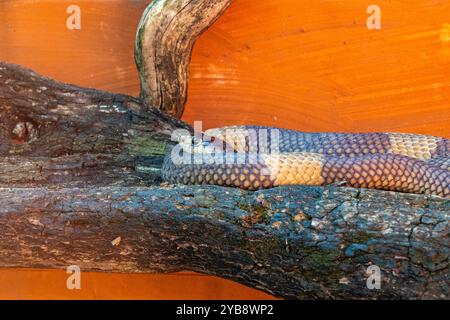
389 161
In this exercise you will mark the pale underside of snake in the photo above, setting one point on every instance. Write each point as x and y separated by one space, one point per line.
255 157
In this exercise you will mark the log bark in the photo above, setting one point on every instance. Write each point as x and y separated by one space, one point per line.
57 134
164 41
80 184
292 242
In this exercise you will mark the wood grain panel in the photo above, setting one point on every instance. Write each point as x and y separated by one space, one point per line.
314 66
51 284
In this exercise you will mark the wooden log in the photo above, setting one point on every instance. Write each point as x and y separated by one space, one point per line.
57 134
79 178
292 242
79 168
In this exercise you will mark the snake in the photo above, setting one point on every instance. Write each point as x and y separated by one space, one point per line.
260 157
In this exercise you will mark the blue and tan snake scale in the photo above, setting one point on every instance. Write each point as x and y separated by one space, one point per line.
401 162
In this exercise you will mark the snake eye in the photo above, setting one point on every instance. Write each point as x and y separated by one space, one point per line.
196 141
207 141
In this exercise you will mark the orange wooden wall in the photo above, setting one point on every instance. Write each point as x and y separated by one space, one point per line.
307 65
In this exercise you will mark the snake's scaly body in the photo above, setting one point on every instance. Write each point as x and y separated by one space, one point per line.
388 161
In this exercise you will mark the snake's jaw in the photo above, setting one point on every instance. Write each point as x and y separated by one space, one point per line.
199 148
233 139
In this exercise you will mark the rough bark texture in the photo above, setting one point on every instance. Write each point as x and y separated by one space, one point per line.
79 169
58 134
165 38
293 242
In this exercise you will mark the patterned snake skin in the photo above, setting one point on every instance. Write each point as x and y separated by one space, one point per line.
252 157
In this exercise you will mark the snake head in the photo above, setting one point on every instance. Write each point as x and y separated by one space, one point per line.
235 139
207 143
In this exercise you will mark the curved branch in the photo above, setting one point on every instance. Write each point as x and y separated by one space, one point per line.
164 41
